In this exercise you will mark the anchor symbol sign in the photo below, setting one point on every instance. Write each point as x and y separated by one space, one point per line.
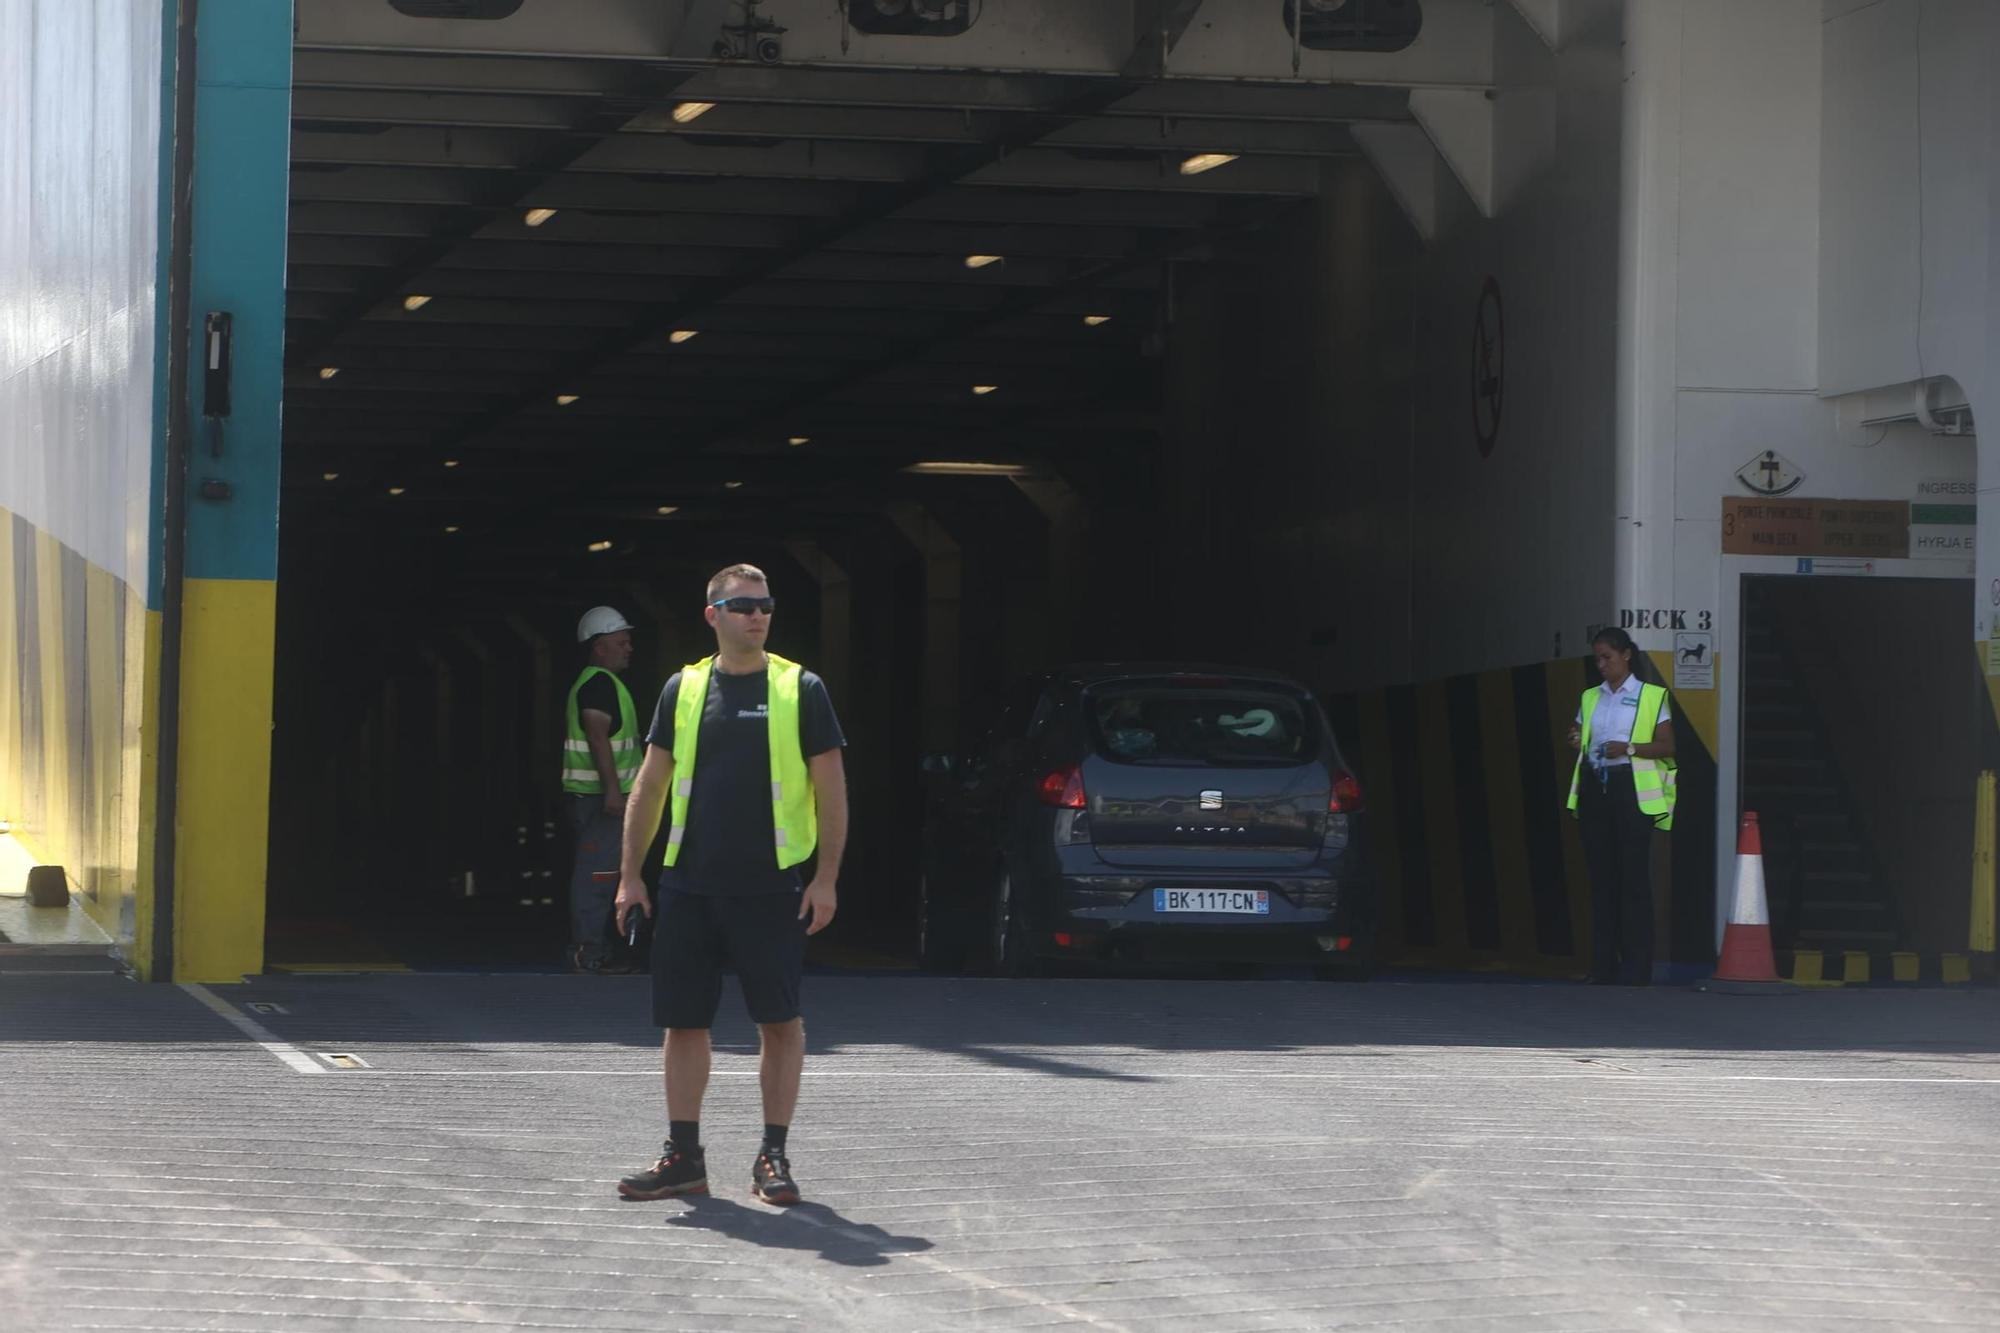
1770 473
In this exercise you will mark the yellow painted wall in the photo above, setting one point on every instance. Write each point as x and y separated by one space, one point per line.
228 635
78 651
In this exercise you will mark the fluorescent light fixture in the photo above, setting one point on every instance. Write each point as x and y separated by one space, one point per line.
664 510
687 112
983 389
957 469
982 261
565 399
1095 320
415 302
679 336
1201 162
600 546
451 462
395 490
732 485
329 476
328 372
535 217
797 440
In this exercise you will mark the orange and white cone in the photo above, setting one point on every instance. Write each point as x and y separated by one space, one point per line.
1746 941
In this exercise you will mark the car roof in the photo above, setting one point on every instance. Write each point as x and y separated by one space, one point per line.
1097 673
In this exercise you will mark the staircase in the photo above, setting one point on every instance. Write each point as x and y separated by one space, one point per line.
1823 879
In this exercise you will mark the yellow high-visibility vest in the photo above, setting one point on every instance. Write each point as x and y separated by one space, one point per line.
794 807
579 776
1652 779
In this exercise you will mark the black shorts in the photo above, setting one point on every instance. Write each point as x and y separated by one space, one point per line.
759 935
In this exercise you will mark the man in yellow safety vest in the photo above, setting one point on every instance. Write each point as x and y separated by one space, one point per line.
745 751
601 754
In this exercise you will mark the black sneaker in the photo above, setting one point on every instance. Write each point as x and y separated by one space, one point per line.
677 1172
771 1179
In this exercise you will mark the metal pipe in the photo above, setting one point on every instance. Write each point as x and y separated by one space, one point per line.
173 544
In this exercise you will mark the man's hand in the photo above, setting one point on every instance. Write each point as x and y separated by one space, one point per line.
818 904
1575 737
631 894
614 804
1618 750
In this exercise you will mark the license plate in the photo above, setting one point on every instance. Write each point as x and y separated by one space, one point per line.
1243 902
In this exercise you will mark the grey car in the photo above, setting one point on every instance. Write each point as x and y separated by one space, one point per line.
1153 812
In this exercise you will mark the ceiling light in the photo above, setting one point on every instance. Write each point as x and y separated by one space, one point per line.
957 469
689 111
1201 162
451 462
679 336
395 490
732 485
565 399
328 372
664 510
981 261
983 389
1095 320
415 302
329 476
535 217
451 527
797 440
600 546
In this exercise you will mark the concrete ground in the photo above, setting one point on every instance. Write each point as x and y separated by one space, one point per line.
1116 1154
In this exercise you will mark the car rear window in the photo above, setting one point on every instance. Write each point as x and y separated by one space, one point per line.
1233 724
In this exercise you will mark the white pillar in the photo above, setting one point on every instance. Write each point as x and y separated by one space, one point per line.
1648 304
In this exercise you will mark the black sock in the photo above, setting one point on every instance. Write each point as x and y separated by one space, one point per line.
685 1134
774 1137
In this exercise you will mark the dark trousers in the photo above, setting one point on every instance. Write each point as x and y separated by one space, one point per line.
593 879
1617 844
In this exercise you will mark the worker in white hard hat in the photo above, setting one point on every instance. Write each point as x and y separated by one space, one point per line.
602 749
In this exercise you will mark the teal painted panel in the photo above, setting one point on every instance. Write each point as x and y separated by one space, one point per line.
246 44
242 166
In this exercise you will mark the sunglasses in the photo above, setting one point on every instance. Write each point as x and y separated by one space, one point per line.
745 606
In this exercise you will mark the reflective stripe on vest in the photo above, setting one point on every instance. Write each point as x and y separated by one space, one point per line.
1652 779
794 809
579 770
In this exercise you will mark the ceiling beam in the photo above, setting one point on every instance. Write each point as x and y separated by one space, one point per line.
878 203
507 188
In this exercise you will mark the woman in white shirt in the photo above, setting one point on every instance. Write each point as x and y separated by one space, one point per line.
1621 791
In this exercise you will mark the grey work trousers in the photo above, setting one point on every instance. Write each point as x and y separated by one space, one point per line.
593 879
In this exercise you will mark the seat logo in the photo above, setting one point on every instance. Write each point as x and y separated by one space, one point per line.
1211 800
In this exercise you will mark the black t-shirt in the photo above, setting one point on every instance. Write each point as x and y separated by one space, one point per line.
600 695
728 846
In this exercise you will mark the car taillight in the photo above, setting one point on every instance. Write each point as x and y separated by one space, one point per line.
1346 798
1064 789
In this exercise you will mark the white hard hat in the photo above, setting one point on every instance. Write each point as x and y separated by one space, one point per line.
600 620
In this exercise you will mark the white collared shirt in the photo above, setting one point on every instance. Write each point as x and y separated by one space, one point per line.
1613 718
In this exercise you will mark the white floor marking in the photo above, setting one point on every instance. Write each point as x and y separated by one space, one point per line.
255 1031
1128 1075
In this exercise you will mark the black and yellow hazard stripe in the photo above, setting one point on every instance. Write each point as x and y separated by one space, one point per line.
1859 967
1468 778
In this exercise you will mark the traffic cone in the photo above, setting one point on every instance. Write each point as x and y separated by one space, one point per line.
1746 965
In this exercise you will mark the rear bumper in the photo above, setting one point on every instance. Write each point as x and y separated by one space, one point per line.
1311 917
